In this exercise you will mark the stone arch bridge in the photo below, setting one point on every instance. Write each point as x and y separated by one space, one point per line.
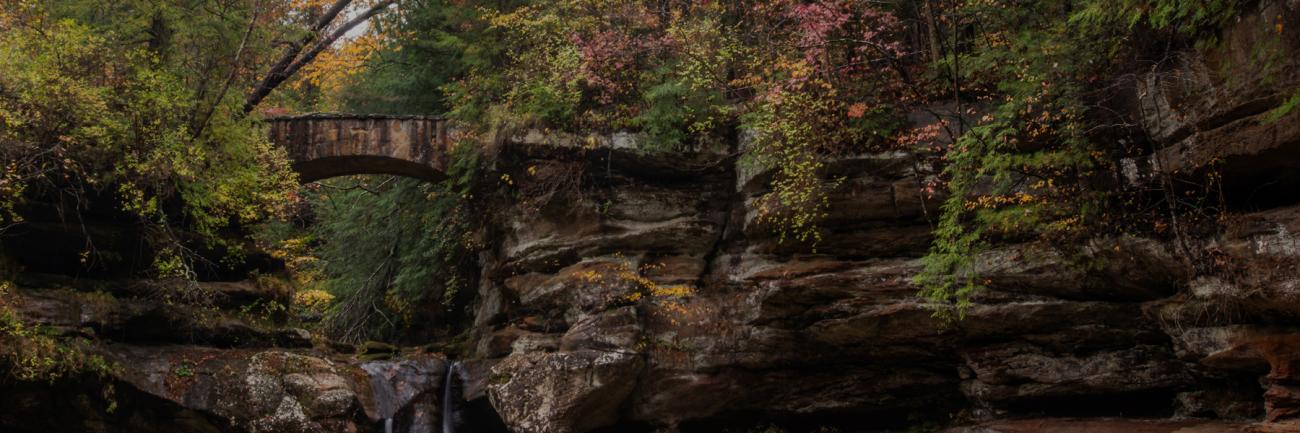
328 145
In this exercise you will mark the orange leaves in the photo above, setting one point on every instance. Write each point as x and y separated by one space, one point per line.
996 201
857 110
303 5
334 68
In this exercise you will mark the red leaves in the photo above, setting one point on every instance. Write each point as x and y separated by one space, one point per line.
610 59
816 23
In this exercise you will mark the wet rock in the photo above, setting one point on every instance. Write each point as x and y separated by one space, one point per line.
1015 372
284 391
615 330
374 347
293 338
1273 427
411 388
258 391
1121 269
514 339
1242 403
475 377
886 394
136 320
591 285
565 392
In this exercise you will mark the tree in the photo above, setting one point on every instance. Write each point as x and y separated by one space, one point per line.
323 33
128 103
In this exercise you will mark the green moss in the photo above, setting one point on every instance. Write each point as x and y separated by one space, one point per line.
1284 108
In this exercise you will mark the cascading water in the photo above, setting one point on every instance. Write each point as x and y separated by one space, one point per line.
449 413
405 398
384 393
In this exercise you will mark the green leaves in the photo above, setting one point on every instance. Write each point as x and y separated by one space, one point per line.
1019 173
1198 20
680 111
391 245
85 110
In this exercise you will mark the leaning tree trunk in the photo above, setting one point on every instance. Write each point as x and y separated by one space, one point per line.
294 58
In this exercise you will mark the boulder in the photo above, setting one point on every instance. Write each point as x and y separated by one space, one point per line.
285 391
563 392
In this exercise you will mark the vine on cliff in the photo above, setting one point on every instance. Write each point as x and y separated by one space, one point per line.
1035 165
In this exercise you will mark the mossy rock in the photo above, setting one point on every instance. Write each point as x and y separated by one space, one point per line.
376 347
375 356
340 347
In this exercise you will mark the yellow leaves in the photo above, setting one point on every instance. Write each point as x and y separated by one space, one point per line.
514 19
995 201
676 291
997 39
334 68
796 69
1064 224
32 355
590 276
624 272
313 299
305 5
746 81
288 248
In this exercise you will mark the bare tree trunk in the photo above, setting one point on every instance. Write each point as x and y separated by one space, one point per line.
230 78
931 31
321 45
290 61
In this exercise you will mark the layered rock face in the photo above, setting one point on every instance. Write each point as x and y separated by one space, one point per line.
653 298
665 277
668 306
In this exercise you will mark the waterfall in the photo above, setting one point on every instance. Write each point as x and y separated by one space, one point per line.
448 405
388 425
386 401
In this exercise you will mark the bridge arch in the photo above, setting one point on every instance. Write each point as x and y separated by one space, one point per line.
329 145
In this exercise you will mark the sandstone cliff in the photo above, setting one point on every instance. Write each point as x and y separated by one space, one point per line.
654 300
